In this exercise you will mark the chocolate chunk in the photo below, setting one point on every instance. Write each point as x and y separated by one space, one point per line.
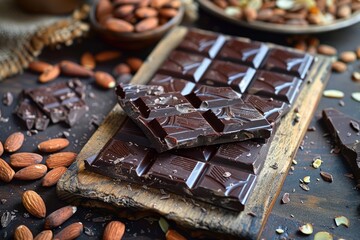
206 116
275 85
346 137
171 84
8 99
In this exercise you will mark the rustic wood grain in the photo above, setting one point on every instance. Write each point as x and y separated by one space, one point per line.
79 186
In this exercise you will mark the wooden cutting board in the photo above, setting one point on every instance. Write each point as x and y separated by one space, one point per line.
79 186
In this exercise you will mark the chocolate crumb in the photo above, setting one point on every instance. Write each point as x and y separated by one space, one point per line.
89 232
355 125
285 198
311 129
252 214
341 103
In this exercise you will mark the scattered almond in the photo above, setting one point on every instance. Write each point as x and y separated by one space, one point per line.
53 145
70 232
323 236
306 229
114 230
39 66
6 172
31 172
44 235
331 93
338 66
174 235
105 56
355 76
14 142
25 159
34 204
121 68
147 24
104 80
73 69
326 50
61 159
306 179
22 232
356 96
1 148
59 216
326 176
118 25
285 198
134 63
342 220
50 74
348 57
88 61
53 176
317 163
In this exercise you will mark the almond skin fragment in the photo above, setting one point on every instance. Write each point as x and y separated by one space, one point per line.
114 230
59 216
14 142
72 69
25 159
61 159
34 204
39 66
53 145
53 176
147 24
88 61
105 56
22 232
44 235
31 172
174 235
70 232
6 172
104 80
49 74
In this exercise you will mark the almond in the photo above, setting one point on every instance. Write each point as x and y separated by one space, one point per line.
338 66
49 74
6 172
53 145
121 68
174 235
39 66
61 159
105 56
70 232
159 3
59 216
31 172
14 142
73 69
118 25
22 232
124 10
358 51
147 24
88 61
348 57
25 159
168 12
146 12
103 10
104 80
326 50
44 235
53 176
114 230
1 148
34 204
134 63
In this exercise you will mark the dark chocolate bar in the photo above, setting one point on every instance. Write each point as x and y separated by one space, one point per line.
222 175
346 132
204 117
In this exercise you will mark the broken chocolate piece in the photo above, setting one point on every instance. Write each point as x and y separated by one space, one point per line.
346 137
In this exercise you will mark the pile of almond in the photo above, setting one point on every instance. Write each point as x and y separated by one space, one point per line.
135 15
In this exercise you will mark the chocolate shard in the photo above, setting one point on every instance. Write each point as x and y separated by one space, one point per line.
347 137
204 117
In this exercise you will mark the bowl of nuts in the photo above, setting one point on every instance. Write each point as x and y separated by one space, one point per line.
135 24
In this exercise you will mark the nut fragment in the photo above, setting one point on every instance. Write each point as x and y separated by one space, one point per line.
14 142
331 93
356 96
49 74
279 231
306 179
6 172
356 76
342 220
22 232
338 66
306 229
348 57
114 230
285 198
304 187
34 204
61 159
53 176
59 216
70 232
53 145
326 176
31 172
317 163
25 159
323 236
44 235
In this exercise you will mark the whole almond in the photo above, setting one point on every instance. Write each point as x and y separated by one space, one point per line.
147 24
173 4
1 148
250 14
44 235
105 56
338 66
73 69
121 68
174 235
53 176
70 232
104 80
88 61
344 11
358 51
146 12
348 57
326 50
49 74
134 63
114 230
25 159
103 10
53 145
59 216
34 204
168 12
124 10
6 172
61 159
22 232
14 142
159 3
39 66
31 172
118 25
